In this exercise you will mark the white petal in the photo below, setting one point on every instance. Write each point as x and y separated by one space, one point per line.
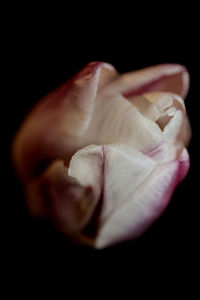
116 120
163 153
173 128
136 190
125 169
171 116
142 207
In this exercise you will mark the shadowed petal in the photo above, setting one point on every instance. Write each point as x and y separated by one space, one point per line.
69 196
168 111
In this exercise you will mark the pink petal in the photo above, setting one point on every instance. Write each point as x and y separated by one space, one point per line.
161 78
54 126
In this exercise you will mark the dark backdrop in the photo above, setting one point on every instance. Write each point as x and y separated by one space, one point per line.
42 51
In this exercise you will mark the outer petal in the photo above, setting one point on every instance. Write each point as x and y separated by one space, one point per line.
54 126
165 78
136 191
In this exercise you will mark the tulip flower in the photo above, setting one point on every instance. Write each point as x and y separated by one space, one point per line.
102 154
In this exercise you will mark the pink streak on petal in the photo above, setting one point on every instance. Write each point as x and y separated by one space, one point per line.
153 152
146 88
161 78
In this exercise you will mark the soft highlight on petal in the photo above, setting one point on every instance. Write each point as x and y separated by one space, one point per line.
54 126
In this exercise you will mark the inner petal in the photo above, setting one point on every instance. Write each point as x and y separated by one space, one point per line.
116 120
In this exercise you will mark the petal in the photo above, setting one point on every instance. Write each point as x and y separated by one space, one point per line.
113 173
164 100
54 126
86 166
168 111
125 169
161 78
172 129
137 206
146 107
116 120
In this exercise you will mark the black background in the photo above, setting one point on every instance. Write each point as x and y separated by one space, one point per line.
44 49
